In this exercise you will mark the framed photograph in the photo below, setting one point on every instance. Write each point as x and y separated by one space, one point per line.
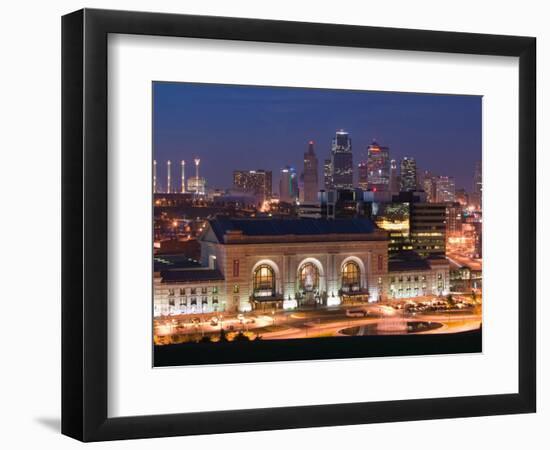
273 224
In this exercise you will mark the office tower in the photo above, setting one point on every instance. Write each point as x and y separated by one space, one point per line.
362 176
342 161
444 189
394 177
288 185
429 186
168 176
454 219
327 173
408 174
477 194
428 229
310 175
155 176
255 182
378 167
183 177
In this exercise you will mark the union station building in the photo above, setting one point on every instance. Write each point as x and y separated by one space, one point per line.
270 264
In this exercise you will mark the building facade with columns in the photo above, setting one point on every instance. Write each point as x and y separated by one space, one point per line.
271 264
260 264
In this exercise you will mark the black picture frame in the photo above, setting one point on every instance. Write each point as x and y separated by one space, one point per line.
84 224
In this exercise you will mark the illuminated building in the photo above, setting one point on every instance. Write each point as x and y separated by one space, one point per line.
310 175
168 177
288 185
378 167
327 174
273 264
394 217
408 174
256 182
257 264
196 184
453 219
428 228
475 198
461 196
155 176
362 176
342 161
183 177
411 277
394 177
429 186
444 189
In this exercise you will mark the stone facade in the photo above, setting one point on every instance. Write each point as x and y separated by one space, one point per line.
258 270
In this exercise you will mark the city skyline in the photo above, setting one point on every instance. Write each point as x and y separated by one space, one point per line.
270 128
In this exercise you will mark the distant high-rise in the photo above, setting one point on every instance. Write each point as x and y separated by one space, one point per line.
408 174
311 177
362 176
183 177
378 167
288 185
429 186
394 177
478 182
155 176
168 176
444 189
256 182
342 161
327 173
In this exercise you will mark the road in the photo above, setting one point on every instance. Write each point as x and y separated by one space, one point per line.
321 322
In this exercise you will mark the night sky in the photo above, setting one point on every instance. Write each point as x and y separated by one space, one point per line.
252 127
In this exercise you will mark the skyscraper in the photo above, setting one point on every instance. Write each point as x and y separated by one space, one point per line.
327 173
478 184
408 174
444 189
342 161
378 167
288 185
311 177
429 186
256 182
362 176
168 176
182 176
155 176
394 177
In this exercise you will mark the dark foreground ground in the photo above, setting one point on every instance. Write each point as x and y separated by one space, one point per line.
317 348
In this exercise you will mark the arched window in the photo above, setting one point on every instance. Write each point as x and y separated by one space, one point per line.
264 281
351 277
309 277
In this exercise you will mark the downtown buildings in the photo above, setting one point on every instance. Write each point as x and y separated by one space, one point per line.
310 175
339 171
255 182
271 264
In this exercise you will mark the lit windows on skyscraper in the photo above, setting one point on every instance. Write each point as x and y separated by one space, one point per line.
408 174
342 161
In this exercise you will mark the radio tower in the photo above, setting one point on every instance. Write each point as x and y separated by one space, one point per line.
168 184
183 177
154 176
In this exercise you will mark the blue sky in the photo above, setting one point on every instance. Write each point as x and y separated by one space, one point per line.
250 127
